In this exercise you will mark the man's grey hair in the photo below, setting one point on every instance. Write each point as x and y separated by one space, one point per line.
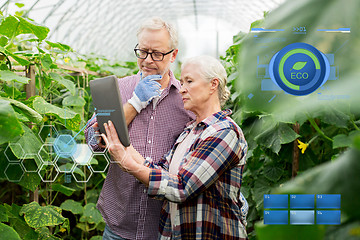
210 68
156 23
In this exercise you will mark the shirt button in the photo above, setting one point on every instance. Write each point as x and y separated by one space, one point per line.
149 141
152 117
144 190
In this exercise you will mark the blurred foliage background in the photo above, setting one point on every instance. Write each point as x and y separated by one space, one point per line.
307 144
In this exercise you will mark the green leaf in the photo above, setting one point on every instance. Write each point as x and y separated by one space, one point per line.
8 233
8 76
29 142
298 65
37 216
14 26
96 238
28 112
28 26
91 214
65 82
273 173
19 5
270 232
10 127
274 137
9 26
73 101
333 115
16 221
261 187
58 45
20 60
46 61
3 41
3 214
72 206
72 119
44 234
30 180
63 189
342 140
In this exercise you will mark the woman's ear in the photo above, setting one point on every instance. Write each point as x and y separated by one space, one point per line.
214 85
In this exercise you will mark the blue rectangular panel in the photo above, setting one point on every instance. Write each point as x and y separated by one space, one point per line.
302 201
302 217
328 201
329 217
276 217
275 201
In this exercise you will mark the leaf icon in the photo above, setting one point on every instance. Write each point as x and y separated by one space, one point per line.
298 65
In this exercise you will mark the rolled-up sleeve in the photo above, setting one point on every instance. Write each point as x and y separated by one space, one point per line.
202 167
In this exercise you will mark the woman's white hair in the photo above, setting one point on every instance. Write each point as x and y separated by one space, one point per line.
211 68
157 23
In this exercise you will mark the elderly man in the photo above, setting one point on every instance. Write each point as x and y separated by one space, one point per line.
156 116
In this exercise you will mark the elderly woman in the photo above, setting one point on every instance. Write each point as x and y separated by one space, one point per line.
200 178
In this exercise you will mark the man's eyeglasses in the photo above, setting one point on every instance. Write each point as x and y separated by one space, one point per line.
156 56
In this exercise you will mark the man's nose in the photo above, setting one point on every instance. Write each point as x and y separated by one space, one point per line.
148 58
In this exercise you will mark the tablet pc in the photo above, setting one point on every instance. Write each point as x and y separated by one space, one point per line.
108 106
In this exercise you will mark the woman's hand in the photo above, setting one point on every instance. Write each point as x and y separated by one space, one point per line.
125 157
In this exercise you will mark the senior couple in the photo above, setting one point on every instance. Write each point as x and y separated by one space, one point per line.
181 176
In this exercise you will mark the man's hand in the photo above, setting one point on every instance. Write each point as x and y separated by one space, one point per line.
145 91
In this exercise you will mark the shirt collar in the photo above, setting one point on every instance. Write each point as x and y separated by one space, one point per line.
209 120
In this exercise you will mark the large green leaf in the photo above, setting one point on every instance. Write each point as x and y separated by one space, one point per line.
71 119
10 127
8 233
8 76
74 101
61 80
37 216
29 142
30 113
274 137
72 206
13 26
91 214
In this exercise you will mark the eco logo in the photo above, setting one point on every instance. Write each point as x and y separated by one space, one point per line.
299 69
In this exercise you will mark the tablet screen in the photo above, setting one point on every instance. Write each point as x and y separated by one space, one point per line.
108 106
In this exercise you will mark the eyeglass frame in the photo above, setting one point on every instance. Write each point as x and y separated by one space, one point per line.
151 53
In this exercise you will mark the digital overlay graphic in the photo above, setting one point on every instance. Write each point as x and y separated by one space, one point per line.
302 209
299 69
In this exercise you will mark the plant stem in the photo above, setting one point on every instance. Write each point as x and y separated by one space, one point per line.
316 127
355 126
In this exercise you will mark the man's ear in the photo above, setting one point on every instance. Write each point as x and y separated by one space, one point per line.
173 55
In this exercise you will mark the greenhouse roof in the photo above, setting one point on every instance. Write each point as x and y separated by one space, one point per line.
108 27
